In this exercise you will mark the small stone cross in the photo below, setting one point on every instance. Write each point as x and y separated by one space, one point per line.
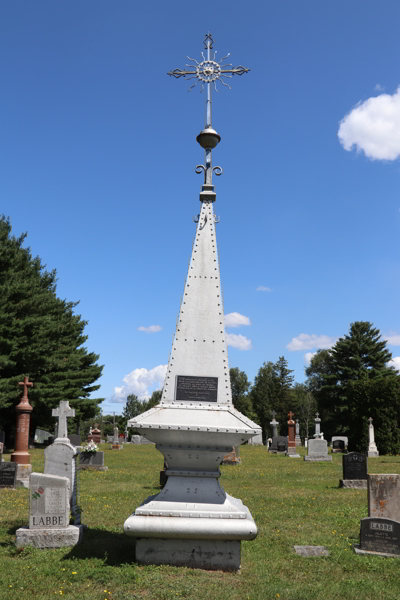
62 412
26 383
370 420
317 415
290 415
273 413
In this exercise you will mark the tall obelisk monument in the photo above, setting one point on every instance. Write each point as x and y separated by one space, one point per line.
192 521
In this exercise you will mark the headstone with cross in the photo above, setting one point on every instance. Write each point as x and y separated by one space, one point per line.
318 435
21 454
292 453
62 412
61 457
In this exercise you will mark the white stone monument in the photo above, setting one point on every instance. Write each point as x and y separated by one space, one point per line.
372 449
192 521
48 514
318 435
60 458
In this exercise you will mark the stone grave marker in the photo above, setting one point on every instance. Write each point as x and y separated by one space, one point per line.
298 438
372 449
317 451
379 536
256 440
60 458
384 496
355 470
48 514
21 455
292 453
8 474
279 444
93 461
318 435
339 443
308 551
74 439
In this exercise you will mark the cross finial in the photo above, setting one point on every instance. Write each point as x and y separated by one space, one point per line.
27 384
370 420
290 415
209 71
62 412
273 413
317 415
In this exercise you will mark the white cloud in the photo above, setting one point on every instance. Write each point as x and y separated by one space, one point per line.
262 288
393 339
236 320
395 362
305 341
308 358
151 329
240 342
373 127
138 382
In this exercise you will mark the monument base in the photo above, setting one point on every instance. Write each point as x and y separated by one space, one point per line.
49 538
92 468
360 484
316 458
23 474
358 550
212 555
372 453
117 447
292 453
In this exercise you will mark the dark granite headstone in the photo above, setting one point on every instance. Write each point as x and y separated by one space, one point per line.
75 439
338 446
355 466
8 474
380 535
279 444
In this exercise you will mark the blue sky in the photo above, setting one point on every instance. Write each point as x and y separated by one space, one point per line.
97 164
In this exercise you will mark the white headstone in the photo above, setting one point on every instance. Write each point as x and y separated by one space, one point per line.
372 449
48 501
60 460
62 412
317 451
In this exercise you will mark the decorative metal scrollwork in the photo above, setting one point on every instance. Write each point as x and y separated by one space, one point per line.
200 168
218 171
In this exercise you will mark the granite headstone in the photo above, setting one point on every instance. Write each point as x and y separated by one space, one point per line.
8 474
317 451
379 536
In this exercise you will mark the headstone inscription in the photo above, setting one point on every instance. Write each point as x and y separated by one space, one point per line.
355 471
380 537
92 461
372 449
317 451
21 455
292 453
48 514
8 474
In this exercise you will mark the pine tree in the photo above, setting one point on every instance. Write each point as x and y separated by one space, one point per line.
352 382
42 337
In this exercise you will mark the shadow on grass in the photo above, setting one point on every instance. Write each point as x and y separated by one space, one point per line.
112 547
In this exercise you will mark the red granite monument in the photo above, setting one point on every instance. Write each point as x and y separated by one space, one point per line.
21 455
292 437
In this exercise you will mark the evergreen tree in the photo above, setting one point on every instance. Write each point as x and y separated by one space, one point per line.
241 398
350 381
304 407
283 385
135 407
41 337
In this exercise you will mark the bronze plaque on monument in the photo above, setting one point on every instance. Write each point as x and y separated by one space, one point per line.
198 389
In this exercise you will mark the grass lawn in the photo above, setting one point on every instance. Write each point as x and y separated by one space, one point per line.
292 502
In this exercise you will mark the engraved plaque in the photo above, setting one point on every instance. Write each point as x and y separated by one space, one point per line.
198 389
355 466
380 535
54 500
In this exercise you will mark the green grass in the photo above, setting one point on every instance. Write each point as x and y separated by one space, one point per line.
292 502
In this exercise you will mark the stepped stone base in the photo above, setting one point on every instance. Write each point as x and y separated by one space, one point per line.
316 458
360 484
49 538
213 555
358 550
92 468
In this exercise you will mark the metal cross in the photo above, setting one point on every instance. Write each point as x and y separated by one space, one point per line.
26 383
209 71
62 412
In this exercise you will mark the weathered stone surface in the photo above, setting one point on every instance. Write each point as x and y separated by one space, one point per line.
318 458
317 451
359 484
384 496
92 459
60 459
312 551
279 444
379 536
48 501
49 538
214 555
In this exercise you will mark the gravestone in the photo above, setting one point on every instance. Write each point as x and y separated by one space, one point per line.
339 447
48 514
74 439
298 438
92 461
60 458
384 496
379 537
317 451
42 436
355 471
372 449
279 444
256 440
21 455
292 453
8 474
115 444
308 551
318 435
95 435
231 456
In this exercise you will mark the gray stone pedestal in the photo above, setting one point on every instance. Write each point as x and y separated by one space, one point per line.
359 484
213 555
23 474
318 451
49 538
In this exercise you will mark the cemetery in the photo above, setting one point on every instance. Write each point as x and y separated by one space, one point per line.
203 498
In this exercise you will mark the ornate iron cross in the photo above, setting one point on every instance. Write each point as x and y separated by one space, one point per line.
208 72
